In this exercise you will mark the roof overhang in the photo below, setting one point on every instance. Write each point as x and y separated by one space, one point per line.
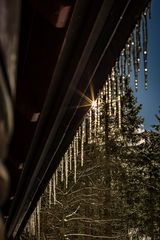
85 53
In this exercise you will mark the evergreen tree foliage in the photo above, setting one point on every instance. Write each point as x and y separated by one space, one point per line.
117 193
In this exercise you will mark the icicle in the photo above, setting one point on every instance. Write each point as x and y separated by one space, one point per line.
40 203
70 157
145 43
82 151
115 85
119 112
75 160
84 129
77 143
138 45
104 90
98 114
82 143
90 125
66 169
50 193
123 71
32 225
124 63
112 84
134 61
35 225
116 77
80 131
113 92
62 169
38 221
95 119
102 95
119 93
128 58
56 176
109 96
54 190
29 227
33 219
106 94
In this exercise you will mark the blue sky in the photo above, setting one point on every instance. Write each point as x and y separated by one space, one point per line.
150 99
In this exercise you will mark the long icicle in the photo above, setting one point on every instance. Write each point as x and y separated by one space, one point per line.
134 61
62 169
119 93
66 169
50 193
38 221
70 157
75 160
77 143
145 43
109 96
56 176
90 125
82 143
54 189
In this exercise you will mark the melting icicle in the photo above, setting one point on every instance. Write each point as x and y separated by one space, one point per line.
145 43
122 63
77 143
75 160
40 204
30 226
138 45
82 151
54 190
50 193
114 83
119 112
82 143
109 96
33 220
102 95
95 118
85 128
104 90
117 75
80 132
106 93
113 92
98 114
70 157
128 58
62 170
38 221
119 93
56 176
66 169
90 125
134 61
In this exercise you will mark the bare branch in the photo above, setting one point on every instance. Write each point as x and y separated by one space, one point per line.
73 212
93 236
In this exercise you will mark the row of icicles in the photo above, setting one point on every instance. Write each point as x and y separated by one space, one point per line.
131 56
